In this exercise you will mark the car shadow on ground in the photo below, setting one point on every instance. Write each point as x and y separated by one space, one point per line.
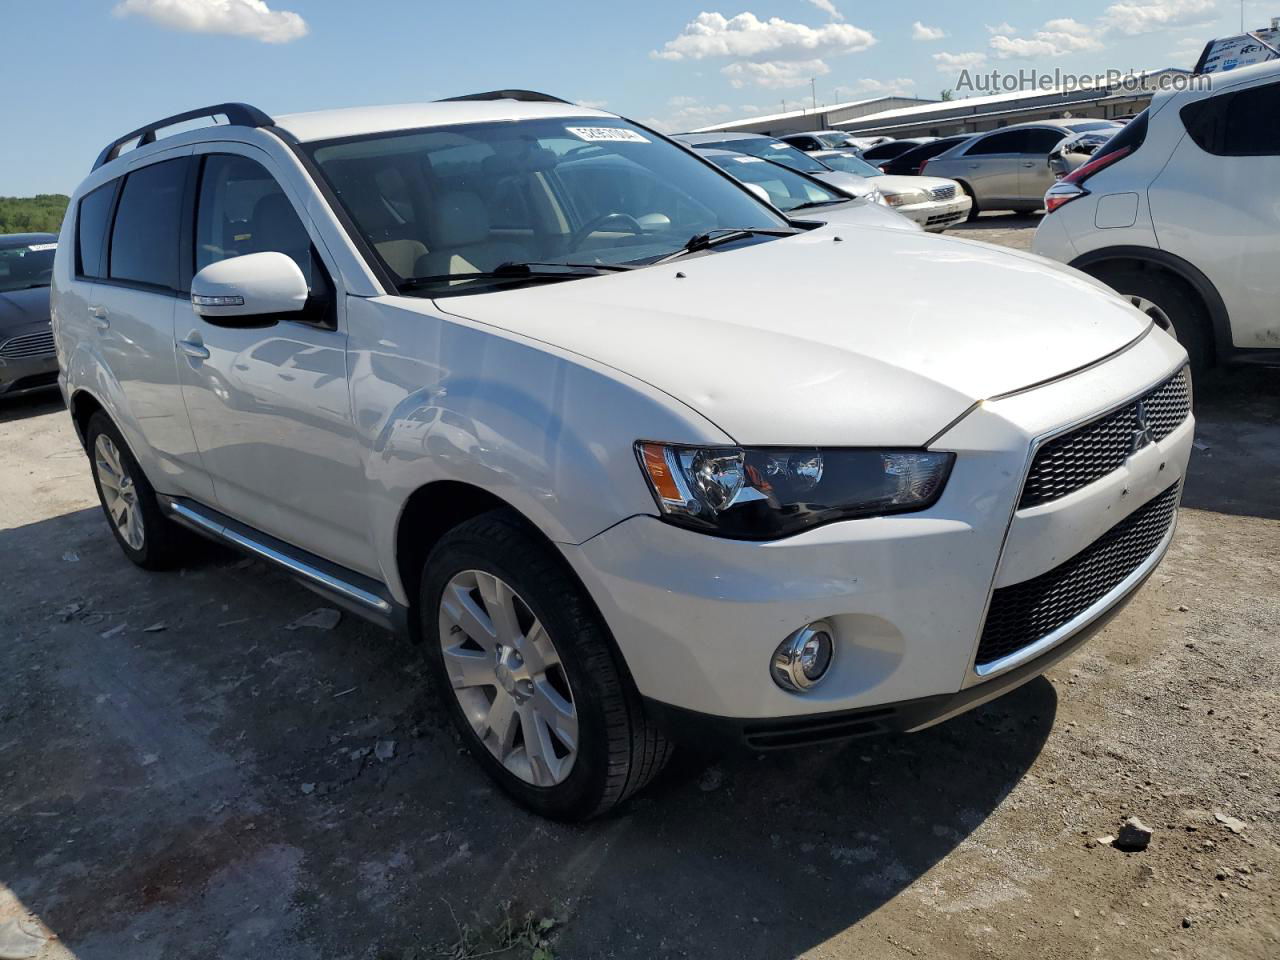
186 776
1236 459
30 405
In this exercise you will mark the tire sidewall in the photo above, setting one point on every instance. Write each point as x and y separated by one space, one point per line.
1173 298
579 794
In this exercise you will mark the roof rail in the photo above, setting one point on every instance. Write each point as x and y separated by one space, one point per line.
524 96
237 114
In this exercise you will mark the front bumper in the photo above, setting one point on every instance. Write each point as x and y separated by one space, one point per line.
697 618
937 215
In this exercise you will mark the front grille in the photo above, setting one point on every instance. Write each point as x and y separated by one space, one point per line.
944 218
1023 613
1074 460
944 193
28 345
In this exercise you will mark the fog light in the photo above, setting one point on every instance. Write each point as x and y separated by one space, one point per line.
804 658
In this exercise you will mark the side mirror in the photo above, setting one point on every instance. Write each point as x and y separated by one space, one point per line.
249 289
760 192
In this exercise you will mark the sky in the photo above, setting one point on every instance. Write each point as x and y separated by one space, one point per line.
78 73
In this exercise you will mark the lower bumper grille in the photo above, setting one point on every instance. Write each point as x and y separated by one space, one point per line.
28 346
1023 613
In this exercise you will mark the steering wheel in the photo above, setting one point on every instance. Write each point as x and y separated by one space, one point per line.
594 224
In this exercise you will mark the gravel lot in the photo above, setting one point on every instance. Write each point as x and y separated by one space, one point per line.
181 775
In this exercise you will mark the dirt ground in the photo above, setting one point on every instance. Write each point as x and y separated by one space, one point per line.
183 776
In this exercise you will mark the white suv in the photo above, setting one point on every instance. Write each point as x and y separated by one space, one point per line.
529 382
1180 212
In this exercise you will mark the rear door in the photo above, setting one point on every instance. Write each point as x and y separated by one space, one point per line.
992 167
131 310
1034 174
1216 204
269 404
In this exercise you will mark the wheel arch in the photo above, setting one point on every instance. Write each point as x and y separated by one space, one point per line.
82 406
1210 299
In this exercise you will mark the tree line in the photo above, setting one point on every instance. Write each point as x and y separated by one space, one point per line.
38 214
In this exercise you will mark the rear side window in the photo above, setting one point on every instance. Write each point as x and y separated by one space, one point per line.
1014 141
91 230
145 241
1042 141
1241 124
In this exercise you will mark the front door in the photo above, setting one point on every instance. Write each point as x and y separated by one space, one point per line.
269 404
992 168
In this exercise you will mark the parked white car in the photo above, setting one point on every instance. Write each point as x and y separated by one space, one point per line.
801 196
533 384
935 203
1180 212
770 149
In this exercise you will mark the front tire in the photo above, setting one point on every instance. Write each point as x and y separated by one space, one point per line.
1170 302
145 534
532 682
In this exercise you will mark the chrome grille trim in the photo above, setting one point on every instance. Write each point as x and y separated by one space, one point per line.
28 346
944 193
1085 454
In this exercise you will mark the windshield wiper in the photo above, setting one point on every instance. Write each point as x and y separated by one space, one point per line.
518 271
713 238
820 203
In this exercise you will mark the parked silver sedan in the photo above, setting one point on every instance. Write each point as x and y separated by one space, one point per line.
1008 169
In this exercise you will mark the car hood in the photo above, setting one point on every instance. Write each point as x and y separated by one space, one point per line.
899 183
843 335
857 213
21 307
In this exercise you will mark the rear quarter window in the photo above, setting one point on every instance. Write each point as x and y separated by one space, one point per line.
1245 123
91 230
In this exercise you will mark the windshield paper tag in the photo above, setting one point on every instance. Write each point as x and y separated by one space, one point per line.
41 247
751 159
613 134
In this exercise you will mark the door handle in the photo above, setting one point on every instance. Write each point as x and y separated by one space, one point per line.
194 349
100 318
1029 163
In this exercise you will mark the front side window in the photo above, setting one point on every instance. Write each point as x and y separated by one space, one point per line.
242 209
145 237
91 231
467 199
787 189
26 265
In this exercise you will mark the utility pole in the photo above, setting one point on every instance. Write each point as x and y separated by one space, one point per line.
813 87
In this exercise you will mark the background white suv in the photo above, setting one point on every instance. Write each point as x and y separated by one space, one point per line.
1180 212
529 381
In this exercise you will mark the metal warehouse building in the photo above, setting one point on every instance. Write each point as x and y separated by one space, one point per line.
909 117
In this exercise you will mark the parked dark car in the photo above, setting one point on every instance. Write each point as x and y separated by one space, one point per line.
883 152
27 358
908 164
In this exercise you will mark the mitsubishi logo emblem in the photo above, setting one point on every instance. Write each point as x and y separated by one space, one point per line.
1142 429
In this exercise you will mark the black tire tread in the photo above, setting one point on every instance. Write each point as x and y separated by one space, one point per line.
637 748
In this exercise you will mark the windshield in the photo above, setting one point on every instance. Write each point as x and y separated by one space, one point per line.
787 189
850 163
775 150
26 265
467 199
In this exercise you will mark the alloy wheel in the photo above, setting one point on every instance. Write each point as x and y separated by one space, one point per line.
508 679
119 495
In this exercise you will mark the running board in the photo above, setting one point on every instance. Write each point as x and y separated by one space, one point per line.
359 594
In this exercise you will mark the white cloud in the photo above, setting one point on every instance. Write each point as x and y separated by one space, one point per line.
829 8
951 62
1133 18
747 37
899 85
777 74
240 18
1056 39
920 32
1005 28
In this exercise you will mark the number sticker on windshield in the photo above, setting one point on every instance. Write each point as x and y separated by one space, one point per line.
613 134
41 247
750 160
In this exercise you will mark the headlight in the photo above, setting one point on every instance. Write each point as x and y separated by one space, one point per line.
908 197
764 493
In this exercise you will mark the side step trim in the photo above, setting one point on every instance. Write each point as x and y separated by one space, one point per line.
328 579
